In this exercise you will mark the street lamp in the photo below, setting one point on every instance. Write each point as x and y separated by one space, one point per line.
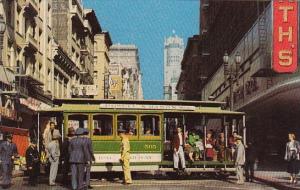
232 72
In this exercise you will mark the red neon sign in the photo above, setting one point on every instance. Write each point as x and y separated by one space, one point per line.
285 35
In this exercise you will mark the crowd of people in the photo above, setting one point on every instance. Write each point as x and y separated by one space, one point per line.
212 149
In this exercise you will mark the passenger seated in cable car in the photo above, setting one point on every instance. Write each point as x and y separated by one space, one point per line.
209 147
221 147
194 140
148 132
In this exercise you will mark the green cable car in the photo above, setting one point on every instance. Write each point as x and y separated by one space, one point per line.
150 125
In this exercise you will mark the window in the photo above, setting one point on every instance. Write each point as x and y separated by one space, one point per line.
150 125
127 123
102 125
77 120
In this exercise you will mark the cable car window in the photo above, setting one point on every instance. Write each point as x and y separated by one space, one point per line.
77 120
150 125
102 125
127 123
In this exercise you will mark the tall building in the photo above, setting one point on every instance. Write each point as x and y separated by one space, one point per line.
127 58
101 61
173 53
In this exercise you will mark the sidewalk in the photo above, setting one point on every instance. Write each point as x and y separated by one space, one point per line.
277 179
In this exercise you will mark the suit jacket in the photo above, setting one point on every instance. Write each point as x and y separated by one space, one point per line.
54 151
125 149
89 147
240 154
77 150
7 150
176 141
32 156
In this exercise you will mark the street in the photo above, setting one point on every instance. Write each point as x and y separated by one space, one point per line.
151 183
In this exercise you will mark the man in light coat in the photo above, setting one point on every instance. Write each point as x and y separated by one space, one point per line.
178 152
240 160
125 157
54 154
78 158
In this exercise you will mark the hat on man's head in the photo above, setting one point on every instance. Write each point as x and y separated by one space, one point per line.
79 131
56 135
8 136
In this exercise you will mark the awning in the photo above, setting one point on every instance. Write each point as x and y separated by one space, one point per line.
6 76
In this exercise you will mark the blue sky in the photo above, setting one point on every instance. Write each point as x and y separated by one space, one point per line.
146 23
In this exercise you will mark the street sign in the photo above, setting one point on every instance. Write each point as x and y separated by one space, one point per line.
285 36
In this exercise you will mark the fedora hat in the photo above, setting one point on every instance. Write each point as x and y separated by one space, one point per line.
79 131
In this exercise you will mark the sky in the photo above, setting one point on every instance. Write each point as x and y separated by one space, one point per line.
146 23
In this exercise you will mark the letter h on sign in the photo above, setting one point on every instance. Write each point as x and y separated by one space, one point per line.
285 36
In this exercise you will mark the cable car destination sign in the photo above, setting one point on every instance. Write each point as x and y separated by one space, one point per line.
147 107
285 36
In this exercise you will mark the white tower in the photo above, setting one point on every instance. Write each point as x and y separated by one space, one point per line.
173 53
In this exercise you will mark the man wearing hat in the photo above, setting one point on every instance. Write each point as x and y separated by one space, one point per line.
32 162
125 156
78 159
65 156
8 152
239 159
54 154
88 146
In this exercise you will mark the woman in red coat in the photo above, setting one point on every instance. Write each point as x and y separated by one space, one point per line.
209 147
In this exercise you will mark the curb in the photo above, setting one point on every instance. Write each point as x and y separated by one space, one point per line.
276 184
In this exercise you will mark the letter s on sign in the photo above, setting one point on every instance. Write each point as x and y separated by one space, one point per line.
285 58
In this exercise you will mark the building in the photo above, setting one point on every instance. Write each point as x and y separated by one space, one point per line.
127 58
173 53
101 62
189 83
74 29
270 98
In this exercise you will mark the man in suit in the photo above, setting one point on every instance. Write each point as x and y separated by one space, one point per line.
32 162
125 157
78 159
8 152
65 156
177 144
88 146
239 159
54 154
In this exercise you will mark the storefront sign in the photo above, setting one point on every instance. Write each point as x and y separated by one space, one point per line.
115 83
85 90
34 104
8 113
285 35
114 158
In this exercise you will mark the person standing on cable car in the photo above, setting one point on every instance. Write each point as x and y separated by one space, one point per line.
177 144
